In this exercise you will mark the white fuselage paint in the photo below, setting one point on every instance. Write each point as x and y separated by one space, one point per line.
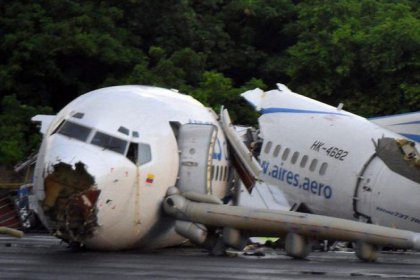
129 206
342 180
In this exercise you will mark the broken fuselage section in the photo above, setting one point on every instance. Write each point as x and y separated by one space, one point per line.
108 158
70 202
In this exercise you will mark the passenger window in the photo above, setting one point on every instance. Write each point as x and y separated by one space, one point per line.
145 154
313 165
74 130
323 168
133 151
295 157
303 161
276 151
109 142
221 173
285 154
226 173
268 147
217 173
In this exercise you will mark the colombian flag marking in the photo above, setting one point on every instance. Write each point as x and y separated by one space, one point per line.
150 178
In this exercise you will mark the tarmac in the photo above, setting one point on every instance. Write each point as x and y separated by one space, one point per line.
40 256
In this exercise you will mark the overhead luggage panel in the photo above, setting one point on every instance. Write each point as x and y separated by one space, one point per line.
196 144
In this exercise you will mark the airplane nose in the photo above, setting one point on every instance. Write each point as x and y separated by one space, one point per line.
71 193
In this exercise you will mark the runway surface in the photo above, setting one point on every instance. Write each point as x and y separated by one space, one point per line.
38 256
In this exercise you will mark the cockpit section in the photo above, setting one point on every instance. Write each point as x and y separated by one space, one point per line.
109 142
137 152
73 130
80 161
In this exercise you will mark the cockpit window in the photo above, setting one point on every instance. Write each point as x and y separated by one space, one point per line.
78 115
124 130
145 153
109 142
74 130
139 153
133 152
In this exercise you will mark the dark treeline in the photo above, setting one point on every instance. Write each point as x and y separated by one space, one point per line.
362 53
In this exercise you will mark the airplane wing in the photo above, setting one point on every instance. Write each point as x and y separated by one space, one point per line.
200 218
408 125
263 195
197 214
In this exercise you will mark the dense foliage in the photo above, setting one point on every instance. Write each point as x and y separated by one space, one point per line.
363 53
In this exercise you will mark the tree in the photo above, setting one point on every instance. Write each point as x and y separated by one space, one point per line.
18 137
52 52
364 53
216 90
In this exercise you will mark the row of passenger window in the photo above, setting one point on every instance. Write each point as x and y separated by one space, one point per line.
295 158
140 153
219 173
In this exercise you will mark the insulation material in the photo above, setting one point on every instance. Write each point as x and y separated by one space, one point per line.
70 201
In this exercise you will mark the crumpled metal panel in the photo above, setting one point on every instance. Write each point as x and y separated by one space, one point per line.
392 155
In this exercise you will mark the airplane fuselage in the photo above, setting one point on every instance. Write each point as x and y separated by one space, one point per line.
107 160
325 161
144 167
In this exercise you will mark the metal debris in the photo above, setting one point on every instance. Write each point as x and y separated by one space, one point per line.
394 154
70 202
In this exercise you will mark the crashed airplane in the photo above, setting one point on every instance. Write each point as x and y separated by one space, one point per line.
144 167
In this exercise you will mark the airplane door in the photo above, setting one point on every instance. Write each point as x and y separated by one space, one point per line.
196 144
365 189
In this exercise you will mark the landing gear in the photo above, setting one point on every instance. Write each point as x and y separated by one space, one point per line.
297 246
366 252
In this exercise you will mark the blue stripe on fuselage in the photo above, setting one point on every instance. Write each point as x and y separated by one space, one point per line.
297 111
414 137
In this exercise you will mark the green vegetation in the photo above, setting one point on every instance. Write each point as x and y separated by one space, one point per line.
363 53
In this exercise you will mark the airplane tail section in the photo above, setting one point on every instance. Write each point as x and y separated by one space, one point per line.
408 125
